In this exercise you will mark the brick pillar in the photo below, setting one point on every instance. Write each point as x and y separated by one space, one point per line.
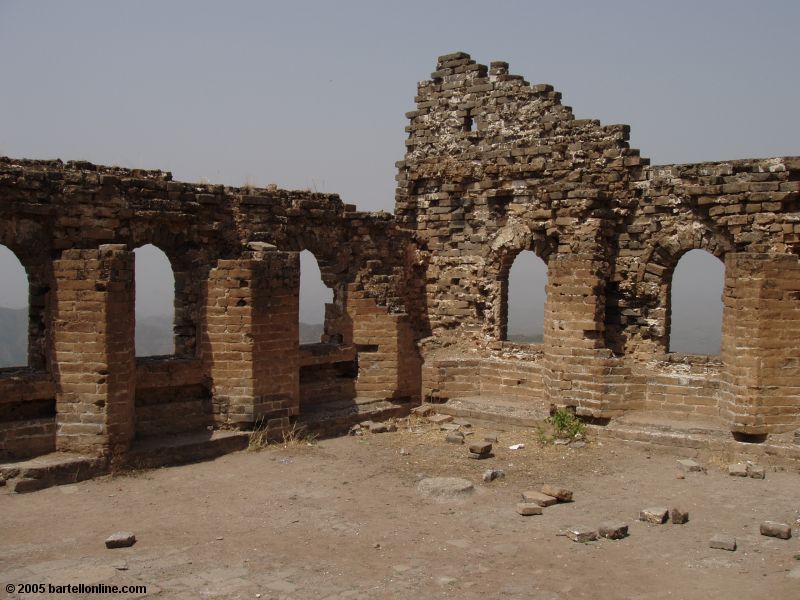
576 360
252 338
760 383
388 362
94 355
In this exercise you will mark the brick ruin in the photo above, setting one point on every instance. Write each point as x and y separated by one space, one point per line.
493 166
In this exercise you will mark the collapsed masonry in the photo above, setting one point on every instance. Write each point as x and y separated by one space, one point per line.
493 166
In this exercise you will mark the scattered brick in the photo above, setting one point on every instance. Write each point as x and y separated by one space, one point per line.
538 498
613 530
678 515
562 494
528 508
120 539
723 542
657 515
776 529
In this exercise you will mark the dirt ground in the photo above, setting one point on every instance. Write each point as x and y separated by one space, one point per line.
343 519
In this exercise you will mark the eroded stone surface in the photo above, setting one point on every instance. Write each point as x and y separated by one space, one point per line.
445 488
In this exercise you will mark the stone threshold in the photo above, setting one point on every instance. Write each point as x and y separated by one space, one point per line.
329 419
498 410
63 468
689 440
684 437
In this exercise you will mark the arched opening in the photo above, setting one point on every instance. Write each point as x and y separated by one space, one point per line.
314 295
527 281
13 311
695 315
155 302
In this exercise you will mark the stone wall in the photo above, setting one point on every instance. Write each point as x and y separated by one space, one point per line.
493 166
235 257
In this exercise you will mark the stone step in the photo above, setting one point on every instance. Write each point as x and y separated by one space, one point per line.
335 418
689 440
499 410
54 468
184 448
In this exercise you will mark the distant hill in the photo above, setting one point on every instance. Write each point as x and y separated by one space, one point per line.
521 338
13 337
154 336
311 333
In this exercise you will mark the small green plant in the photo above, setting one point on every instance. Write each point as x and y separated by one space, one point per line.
566 424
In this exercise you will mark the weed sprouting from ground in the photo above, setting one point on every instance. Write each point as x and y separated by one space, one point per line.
296 435
566 424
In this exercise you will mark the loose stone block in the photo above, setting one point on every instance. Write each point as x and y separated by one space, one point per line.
528 508
440 419
454 438
776 529
687 465
491 437
538 498
678 515
562 494
737 470
581 534
378 428
657 515
613 530
120 539
756 471
482 448
723 542
423 410
492 474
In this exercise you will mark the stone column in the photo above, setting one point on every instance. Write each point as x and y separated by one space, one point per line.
576 360
760 383
94 353
252 338
388 362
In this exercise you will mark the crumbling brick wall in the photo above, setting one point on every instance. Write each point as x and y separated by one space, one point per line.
493 166
234 254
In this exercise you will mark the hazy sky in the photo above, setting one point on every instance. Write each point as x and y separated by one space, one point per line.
313 94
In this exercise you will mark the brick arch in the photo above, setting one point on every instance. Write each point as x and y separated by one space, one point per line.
31 244
655 274
190 265
667 249
513 239
504 248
